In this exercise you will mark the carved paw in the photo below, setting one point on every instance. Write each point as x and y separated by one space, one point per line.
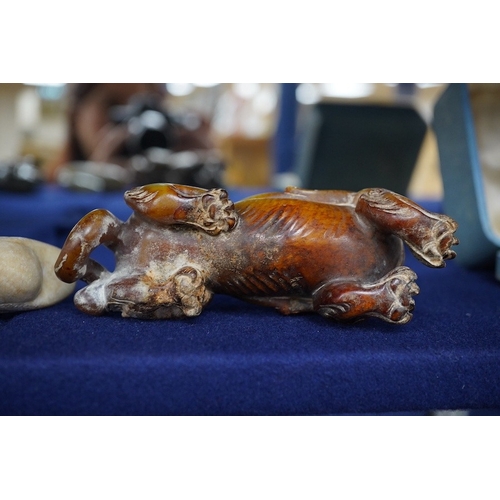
148 296
215 212
191 293
436 244
398 289
390 298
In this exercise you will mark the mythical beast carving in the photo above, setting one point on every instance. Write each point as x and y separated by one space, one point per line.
334 252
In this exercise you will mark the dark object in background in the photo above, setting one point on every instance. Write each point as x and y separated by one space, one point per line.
21 175
93 176
148 123
201 168
352 146
153 141
153 137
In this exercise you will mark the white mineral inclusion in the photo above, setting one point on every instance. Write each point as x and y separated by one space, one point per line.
27 278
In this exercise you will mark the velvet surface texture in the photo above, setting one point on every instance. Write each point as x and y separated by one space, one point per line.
243 359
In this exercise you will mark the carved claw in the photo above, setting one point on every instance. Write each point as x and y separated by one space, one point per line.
446 239
436 246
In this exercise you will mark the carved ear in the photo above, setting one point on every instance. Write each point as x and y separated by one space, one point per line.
159 202
142 194
140 199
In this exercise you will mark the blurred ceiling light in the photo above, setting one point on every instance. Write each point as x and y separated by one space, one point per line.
49 91
253 126
28 109
347 90
428 85
45 84
265 101
246 90
307 93
179 89
206 85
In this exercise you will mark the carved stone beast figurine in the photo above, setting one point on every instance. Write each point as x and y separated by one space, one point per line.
334 252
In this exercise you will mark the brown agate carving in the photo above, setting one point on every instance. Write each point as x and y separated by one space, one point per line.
333 252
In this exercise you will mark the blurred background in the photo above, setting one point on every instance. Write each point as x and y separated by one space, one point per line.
263 130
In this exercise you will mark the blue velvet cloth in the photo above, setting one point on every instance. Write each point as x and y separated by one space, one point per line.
242 359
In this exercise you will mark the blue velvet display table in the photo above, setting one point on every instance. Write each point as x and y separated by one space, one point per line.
241 359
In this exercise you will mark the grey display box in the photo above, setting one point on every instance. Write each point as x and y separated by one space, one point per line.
467 127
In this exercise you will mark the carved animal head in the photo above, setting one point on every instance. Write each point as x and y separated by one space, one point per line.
163 203
168 204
